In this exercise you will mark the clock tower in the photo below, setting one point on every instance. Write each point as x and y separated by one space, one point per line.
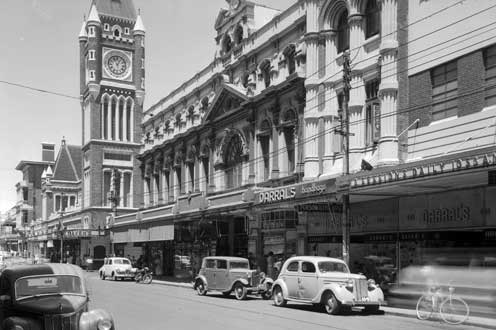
112 79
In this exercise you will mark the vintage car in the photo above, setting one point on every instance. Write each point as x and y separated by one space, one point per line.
379 268
117 268
326 282
231 274
48 296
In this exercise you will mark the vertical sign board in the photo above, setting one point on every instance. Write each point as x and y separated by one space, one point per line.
376 113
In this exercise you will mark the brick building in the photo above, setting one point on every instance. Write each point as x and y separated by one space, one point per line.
89 184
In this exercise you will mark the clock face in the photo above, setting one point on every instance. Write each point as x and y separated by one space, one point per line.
117 65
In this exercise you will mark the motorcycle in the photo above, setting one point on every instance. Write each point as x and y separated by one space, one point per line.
143 275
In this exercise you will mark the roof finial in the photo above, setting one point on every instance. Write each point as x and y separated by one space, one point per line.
63 140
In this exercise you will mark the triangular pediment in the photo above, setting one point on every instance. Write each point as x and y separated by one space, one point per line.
227 100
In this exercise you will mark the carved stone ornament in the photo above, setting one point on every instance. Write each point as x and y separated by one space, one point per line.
167 166
178 159
191 155
148 170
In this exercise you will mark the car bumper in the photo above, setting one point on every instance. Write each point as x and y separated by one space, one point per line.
363 303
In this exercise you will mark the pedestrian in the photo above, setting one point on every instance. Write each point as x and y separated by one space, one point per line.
270 264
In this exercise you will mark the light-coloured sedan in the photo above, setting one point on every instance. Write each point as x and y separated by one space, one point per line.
326 282
116 268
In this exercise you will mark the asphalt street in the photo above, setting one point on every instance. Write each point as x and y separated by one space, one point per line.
140 306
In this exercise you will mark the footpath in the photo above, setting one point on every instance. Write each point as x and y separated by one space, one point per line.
481 322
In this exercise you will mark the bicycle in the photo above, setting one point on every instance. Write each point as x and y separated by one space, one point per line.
453 309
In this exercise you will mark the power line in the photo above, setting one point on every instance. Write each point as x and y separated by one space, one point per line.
39 90
330 130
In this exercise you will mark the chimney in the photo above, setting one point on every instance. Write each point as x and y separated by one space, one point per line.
48 152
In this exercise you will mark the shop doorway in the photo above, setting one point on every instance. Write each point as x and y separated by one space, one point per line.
99 253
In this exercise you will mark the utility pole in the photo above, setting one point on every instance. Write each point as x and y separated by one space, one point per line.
114 200
345 221
61 227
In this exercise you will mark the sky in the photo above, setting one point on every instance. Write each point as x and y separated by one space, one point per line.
40 50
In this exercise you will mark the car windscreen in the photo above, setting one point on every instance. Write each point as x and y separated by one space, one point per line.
238 264
121 262
48 285
329 266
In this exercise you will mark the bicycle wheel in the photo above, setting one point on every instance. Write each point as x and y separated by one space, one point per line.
454 310
424 307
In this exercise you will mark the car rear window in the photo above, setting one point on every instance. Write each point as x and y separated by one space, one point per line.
121 262
48 285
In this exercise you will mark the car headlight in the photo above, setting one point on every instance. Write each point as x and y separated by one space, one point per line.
104 324
349 285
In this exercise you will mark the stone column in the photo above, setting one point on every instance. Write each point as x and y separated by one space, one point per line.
118 120
109 118
102 118
121 191
124 121
388 88
331 52
274 156
211 170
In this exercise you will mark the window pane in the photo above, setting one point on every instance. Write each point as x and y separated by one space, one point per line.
293 267
307 267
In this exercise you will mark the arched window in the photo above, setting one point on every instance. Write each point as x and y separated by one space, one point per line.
265 72
178 120
372 18
343 32
245 79
289 54
264 137
238 35
234 162
226 44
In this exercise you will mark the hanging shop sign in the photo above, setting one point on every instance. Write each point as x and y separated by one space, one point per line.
296 191
426 170
82 233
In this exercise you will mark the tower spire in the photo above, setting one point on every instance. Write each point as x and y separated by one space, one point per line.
83 34
93 16
139 26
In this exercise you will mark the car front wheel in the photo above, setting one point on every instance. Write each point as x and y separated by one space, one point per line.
240 291
200 288
279 297
331 304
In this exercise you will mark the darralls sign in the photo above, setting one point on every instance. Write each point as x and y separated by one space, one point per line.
296 191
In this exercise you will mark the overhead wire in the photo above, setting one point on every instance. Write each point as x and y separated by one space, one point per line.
408 109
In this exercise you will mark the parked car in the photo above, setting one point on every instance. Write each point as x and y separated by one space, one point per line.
48 296
231 274
326 282
379 268
116 268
